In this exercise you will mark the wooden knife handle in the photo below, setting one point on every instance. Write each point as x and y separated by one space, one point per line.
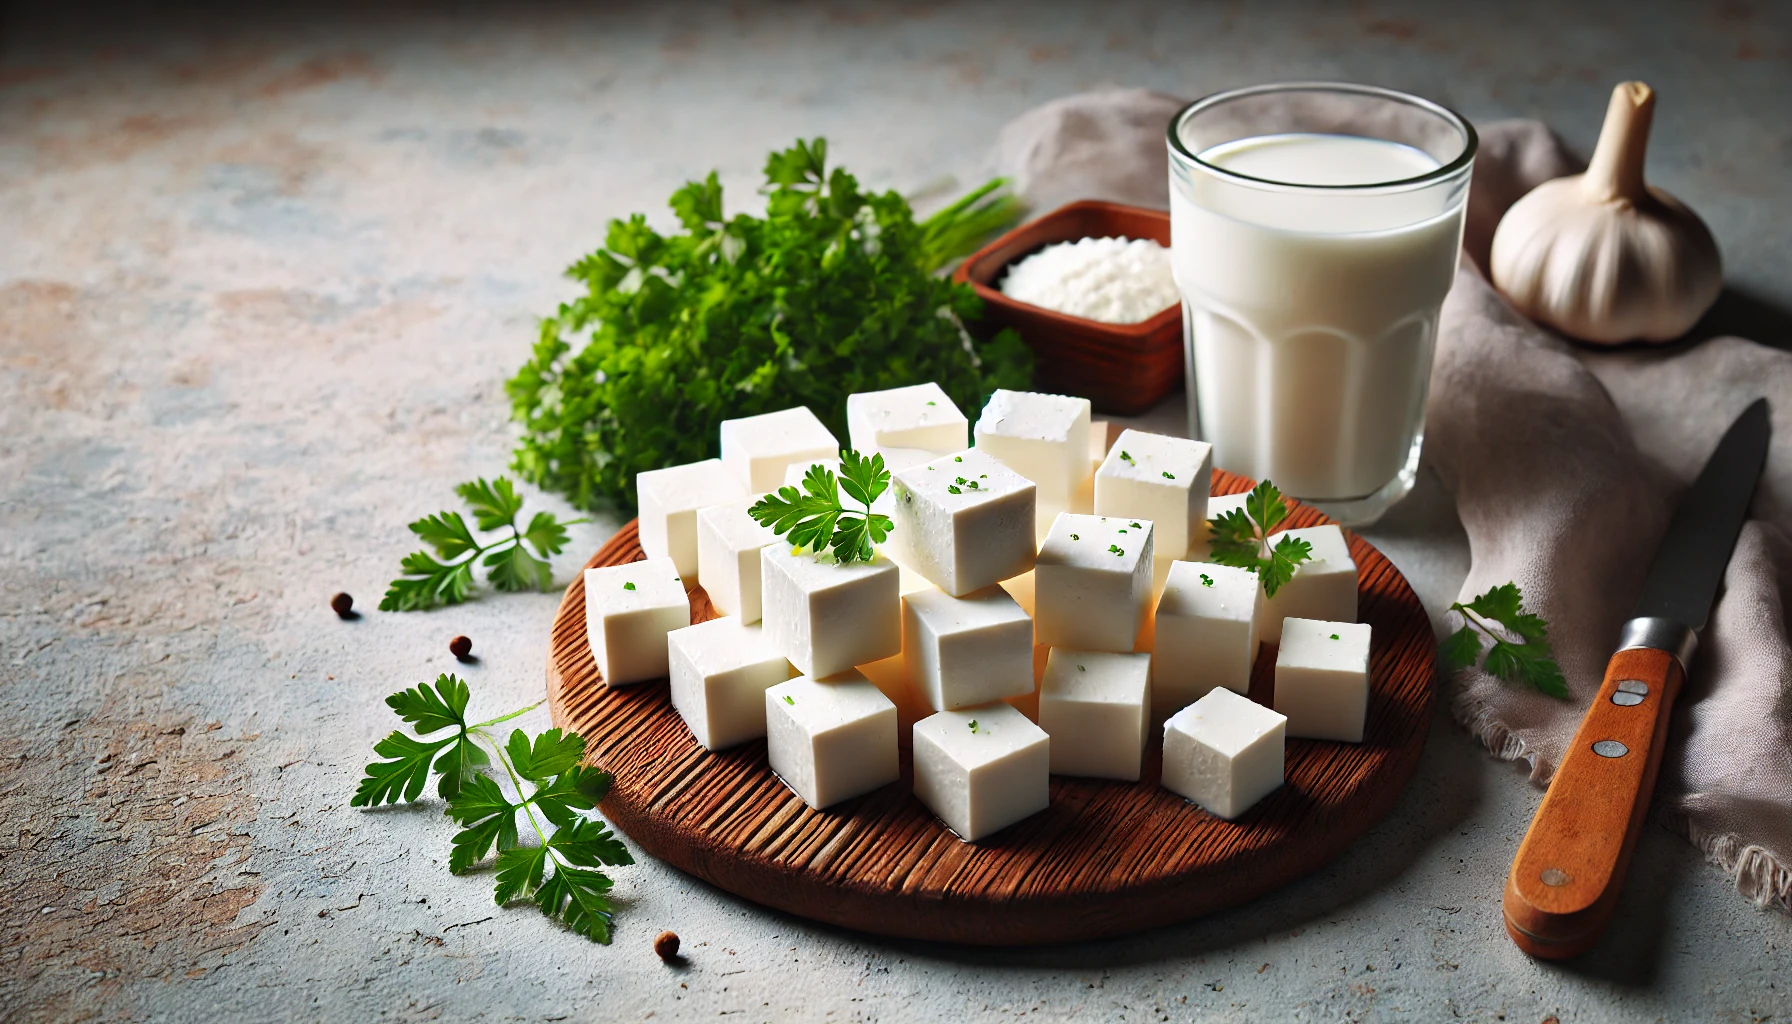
1565 879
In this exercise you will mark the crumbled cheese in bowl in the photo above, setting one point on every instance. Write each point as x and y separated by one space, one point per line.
1112 280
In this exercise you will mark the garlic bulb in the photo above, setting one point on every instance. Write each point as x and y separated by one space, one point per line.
1603 257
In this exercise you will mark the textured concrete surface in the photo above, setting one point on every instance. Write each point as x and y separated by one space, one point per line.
259 288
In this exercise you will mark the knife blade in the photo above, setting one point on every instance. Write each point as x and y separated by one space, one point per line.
1565 878
1682 581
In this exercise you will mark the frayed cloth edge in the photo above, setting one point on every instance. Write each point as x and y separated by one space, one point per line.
1757 874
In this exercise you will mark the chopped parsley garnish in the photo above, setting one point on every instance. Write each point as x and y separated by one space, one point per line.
628 586
1169 475
1206 580
788 699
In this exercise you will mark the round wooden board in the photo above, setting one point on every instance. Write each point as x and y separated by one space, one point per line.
1105 858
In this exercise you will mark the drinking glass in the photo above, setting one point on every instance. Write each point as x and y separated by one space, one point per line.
1315 229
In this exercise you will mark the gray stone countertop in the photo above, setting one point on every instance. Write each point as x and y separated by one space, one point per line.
260 287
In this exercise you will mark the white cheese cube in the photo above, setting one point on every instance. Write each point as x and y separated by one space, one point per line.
982 769
728 543
964 521
1324 587
920 416
831 739
1224 752
720 672
669 499
629 609
1044 438
1160 478
1092 584
1206 633
891 676
756 449
884 504
1101 437
898 459
1096 707
970 650
1322 679
827 617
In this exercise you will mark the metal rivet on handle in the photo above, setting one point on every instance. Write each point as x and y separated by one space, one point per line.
1627 700
1636 686
1610 748
1554 876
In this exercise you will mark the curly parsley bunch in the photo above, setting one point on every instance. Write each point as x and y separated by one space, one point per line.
833 291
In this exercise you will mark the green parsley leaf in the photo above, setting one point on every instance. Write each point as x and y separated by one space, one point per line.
1240 539
1519 648
628 586
1169 475
551 753
515 562
404 776
1206 580
817 519
788 699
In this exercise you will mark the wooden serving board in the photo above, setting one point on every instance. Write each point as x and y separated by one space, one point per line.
1105 858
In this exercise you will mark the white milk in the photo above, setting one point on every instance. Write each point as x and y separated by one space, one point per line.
1313 312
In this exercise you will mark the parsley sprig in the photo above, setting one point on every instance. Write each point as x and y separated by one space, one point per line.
832 290
1520 646
1241 539
560 870
447 576
816 519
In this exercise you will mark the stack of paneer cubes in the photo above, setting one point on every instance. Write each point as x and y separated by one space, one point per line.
1044 597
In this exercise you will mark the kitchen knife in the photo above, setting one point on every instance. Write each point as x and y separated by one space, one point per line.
1565 879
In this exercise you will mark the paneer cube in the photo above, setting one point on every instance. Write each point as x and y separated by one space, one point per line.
828 617
963 521
1206 633
920 416
982 769
1323 587
720 672
970 650
1160 478
1096 706
669 500
1044 438
728 543
756 449
1092 583
1322 679
831 739
629 609
1224 752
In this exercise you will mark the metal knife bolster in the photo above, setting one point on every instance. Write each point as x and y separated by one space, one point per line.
1658 634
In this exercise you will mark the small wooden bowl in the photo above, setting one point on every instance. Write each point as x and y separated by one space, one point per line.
1121 368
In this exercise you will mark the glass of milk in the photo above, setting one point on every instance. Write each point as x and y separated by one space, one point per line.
1314 233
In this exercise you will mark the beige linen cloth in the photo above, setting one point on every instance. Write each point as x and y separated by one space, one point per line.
1565 462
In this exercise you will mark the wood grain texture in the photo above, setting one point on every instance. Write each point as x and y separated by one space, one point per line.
1104 859
1570 867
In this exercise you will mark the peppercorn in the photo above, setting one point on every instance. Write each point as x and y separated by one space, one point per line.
461 648
666 946
343 605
